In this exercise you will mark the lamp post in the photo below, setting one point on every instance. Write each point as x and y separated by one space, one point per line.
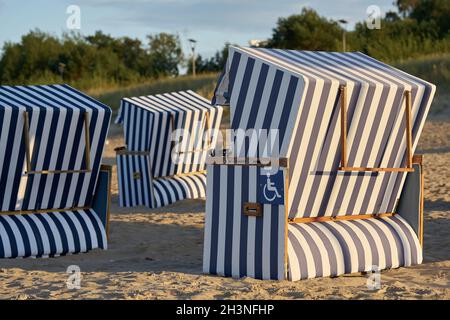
343 22
61 68
193 42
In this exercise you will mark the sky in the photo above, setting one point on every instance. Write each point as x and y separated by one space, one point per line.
210 22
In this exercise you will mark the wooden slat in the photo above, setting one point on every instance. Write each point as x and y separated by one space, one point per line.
340 218
183 174
42 211
376 169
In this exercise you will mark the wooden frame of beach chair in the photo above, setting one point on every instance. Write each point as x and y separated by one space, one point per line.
408 134
29 156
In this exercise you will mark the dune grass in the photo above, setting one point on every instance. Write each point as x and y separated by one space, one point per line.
435 69
432 68
202 84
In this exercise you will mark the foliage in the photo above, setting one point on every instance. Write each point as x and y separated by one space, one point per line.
306 31
213 64
97 60
203 84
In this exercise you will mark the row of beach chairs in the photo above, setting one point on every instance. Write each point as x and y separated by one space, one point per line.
341 191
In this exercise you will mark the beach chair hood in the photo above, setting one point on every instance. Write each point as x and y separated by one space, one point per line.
167 139
52 139
299 93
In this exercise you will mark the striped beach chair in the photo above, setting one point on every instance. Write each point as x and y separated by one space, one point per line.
54 192
167 137
342 192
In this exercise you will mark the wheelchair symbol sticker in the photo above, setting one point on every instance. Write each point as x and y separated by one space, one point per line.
271 188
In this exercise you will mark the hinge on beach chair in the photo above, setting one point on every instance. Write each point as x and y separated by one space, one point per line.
344 166
26 127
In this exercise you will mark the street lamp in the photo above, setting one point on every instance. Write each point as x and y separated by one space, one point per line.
343 22
193 42
61 68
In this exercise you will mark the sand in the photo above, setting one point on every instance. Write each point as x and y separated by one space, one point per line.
157 254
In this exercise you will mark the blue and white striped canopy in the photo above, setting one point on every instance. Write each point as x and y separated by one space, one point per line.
57 117
297 92
150 120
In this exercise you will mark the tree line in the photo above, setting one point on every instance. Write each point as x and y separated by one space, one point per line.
420 27
98 59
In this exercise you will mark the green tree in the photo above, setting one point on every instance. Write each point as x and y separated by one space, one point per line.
213 64
165 54
435 11
94 60
306 31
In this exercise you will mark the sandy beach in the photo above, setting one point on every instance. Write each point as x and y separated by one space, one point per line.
157 254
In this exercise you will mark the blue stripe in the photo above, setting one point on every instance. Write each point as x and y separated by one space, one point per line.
258 95
290 97
242 94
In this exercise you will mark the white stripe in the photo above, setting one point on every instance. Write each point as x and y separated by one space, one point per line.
237 216
251 227
208 222
310 264
222 221
80 232
5 240
266 239
17 236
